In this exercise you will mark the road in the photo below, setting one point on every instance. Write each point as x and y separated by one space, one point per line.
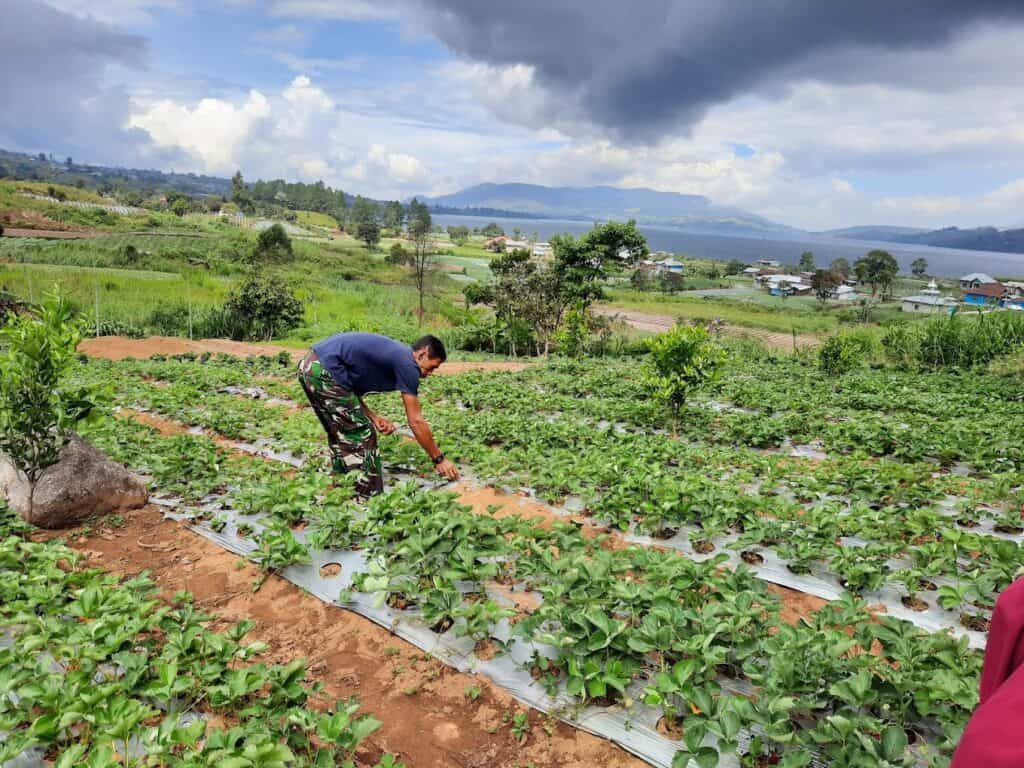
654 323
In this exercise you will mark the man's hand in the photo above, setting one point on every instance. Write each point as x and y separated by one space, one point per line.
448 470
383 426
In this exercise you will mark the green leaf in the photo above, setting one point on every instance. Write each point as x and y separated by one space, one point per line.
894 742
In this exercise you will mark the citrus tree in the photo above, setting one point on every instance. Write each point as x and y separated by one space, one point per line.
38 406
681 361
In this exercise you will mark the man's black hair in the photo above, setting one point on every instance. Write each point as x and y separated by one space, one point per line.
433 345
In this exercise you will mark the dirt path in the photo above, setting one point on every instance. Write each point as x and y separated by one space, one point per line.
48 234
429 720
123 348
655 323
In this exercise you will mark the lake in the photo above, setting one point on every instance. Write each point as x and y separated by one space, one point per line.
943 262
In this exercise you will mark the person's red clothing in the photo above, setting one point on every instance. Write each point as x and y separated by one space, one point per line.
993 737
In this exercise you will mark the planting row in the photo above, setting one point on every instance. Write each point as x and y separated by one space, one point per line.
96 672
939 537
613 625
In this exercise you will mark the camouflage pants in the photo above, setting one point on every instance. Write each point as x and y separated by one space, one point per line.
350 434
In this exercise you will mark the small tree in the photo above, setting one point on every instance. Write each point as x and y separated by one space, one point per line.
397 255
38 408
423 261
672 282
807 261
273 244
571 338
823 283
262 307
369 232
919 266
681 361
458 234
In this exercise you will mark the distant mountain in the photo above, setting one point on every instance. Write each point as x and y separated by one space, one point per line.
648 206
976 239
44 167
871 232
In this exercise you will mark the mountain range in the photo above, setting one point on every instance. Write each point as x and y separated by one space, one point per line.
694 213
974 239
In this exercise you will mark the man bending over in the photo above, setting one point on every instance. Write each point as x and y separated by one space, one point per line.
335 375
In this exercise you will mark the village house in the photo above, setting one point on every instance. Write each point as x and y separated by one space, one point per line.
975 279
985 294
670 265
844 293
1014 290
784 285
928 304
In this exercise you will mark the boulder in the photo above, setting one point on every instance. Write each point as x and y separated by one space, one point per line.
85 483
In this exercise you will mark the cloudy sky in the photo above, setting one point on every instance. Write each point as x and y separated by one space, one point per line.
815 114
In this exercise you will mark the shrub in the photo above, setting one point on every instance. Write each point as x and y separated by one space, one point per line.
261 307
840 354
902 344
38 408
681 361
273 244
955 341
168 319
398 256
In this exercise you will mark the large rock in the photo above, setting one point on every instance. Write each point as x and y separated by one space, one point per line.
85 483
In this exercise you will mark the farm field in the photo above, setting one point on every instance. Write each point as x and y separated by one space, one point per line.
625 574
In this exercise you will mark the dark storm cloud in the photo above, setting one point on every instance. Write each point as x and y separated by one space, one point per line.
644 69
52 67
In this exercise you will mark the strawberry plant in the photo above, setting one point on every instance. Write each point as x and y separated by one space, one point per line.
278 549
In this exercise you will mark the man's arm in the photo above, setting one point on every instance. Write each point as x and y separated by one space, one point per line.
421 430
384 426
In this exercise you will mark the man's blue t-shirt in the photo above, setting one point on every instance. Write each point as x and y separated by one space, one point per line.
368 362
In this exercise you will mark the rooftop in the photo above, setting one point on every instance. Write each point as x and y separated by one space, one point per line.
938 301
989 290
979 277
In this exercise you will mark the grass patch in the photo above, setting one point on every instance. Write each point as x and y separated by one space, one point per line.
790 314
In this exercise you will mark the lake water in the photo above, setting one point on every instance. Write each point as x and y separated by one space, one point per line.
943 262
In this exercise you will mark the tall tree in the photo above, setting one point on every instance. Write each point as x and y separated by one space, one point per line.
364 217
919 266
541 293
240 194
841 267
423 261
823 283
394 215
878 269
807 261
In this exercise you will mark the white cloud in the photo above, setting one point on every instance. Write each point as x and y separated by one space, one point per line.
319 65
345 10
923 205
212 131
284 34
118 12
298 133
